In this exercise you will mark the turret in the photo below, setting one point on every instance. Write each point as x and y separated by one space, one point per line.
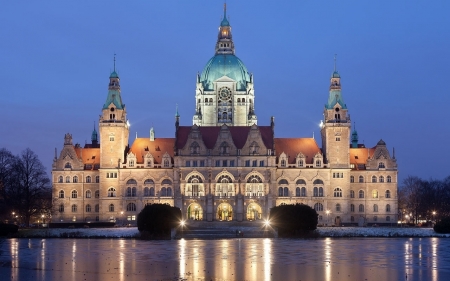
225 43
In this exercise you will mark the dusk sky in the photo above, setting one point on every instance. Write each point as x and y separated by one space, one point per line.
393 57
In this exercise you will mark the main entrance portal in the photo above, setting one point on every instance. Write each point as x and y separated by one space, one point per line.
195 212
224 212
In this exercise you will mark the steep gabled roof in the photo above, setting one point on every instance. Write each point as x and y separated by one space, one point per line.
88 155
157 148
292 146
360 156
209 135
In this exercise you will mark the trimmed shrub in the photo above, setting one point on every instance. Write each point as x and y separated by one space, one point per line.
297 220
156 220
442 226
6 229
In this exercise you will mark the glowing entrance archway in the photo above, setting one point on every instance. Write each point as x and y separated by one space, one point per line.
254 212
195 212
224 212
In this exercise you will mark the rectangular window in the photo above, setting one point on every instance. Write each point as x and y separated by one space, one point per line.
224 163
195 163
261 163
217 163
111 138
247 163
338 139
131 218
254 163
202 163
238 152
231 163
188 163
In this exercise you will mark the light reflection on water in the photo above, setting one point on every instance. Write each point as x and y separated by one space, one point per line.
233 259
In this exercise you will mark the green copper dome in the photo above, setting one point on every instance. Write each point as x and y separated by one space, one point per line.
114 75
225 65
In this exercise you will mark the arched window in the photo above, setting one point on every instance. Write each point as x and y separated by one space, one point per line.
60 179
361 179
97 179
74 208
67 179
169 191
374 193
361 208
88 194
128 191
166 181
75 179
381 165
280 191
97 208
286 191
238 100
297 192
74 194
352 208
320 191
338 207
146 192
375 208
352 194
131 181
88 179
374 179
111 207
97 194
111 192
337 192
318 163
131 207
283 163
300 163
61 208
388 194
361 194
381 179
88 208
163 192
243 100
67 166
166 163
389 179
303 192
388 208
61 194
152 191
352 179
318 207
315 192
316 182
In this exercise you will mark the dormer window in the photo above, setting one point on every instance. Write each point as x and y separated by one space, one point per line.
254 148
283 163
381 165
318 163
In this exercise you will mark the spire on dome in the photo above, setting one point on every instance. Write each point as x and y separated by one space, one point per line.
354 137
335 89
225 45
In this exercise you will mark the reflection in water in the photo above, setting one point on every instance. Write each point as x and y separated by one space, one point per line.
233 259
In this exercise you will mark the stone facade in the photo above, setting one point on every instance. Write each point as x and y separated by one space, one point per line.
224 166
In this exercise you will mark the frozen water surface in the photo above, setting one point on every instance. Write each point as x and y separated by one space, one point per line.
229 259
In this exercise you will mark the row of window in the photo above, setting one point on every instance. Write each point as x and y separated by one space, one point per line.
301 163
74 179
131 207
318 192
374 179
319 208
131 192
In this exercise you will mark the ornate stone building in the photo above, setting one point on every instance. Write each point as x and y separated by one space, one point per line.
225 166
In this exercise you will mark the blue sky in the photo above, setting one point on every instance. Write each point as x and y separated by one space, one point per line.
393 57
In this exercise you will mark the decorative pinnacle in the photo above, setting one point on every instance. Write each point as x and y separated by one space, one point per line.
176 111
335 62
114 61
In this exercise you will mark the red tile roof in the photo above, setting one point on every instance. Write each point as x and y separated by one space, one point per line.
88 155
293 146
360 155
157 148
239 135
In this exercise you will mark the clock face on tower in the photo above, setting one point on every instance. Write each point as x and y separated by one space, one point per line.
225 93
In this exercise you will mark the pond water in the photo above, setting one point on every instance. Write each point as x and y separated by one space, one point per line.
230 259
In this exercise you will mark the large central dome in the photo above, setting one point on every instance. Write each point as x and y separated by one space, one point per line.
225 65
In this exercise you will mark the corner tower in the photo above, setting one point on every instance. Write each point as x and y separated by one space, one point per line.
224 91
336 126
113 126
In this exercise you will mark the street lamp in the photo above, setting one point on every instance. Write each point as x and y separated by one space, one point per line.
121 217
328 213
434 213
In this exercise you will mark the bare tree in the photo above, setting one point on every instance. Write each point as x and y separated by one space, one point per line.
29 189
7 160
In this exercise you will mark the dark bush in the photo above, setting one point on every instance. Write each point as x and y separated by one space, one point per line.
443 226
6 229
297 220
156 220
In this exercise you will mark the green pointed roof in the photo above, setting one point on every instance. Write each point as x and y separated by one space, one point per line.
334 98
114 75
225 21
115 98
94 136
